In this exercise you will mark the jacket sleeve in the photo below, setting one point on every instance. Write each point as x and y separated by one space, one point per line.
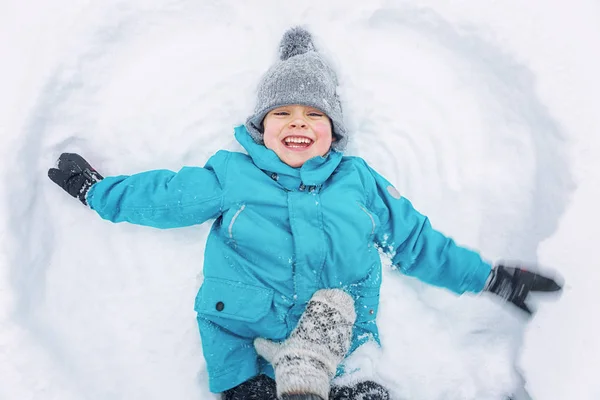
419 250
161 198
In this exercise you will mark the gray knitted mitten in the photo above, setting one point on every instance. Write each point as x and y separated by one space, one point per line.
306 362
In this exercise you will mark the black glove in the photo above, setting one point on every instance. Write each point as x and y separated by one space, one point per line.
75 175
514 285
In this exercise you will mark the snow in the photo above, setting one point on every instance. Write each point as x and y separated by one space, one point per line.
483 114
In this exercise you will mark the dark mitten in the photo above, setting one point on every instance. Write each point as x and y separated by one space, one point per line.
514 284
261 387
366 390
75 175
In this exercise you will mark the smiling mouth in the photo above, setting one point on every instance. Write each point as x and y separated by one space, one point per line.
297 142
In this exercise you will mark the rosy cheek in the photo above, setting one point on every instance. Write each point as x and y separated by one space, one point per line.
269 138
322 128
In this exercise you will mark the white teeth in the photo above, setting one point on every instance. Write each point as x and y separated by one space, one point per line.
297 140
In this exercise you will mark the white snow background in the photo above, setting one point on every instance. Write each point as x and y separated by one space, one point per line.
485 114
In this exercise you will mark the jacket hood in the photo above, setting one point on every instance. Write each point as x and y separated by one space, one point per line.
315 171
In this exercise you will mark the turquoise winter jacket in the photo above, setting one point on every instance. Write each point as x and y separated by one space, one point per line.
280 234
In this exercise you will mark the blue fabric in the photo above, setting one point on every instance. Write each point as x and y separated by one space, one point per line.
280 234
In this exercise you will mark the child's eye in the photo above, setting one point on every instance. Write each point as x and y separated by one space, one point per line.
281 113
314 114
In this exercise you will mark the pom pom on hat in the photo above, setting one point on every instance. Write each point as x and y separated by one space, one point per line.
295 41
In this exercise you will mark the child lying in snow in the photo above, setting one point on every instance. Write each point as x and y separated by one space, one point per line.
296 230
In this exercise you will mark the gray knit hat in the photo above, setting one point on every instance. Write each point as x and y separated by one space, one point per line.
303 77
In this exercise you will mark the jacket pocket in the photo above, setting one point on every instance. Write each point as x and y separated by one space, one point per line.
225 299
230 237
374 221
373 224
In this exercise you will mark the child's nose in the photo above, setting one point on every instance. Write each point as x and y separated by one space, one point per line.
298 123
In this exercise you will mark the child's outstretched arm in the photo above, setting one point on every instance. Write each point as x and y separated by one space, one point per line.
421 251
160 198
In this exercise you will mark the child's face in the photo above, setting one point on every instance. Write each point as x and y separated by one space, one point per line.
297 133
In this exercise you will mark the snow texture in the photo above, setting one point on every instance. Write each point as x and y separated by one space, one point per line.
484 114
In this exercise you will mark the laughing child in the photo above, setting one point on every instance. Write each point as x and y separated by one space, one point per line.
292 270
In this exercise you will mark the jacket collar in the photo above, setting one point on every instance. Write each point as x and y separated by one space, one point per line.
312 173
